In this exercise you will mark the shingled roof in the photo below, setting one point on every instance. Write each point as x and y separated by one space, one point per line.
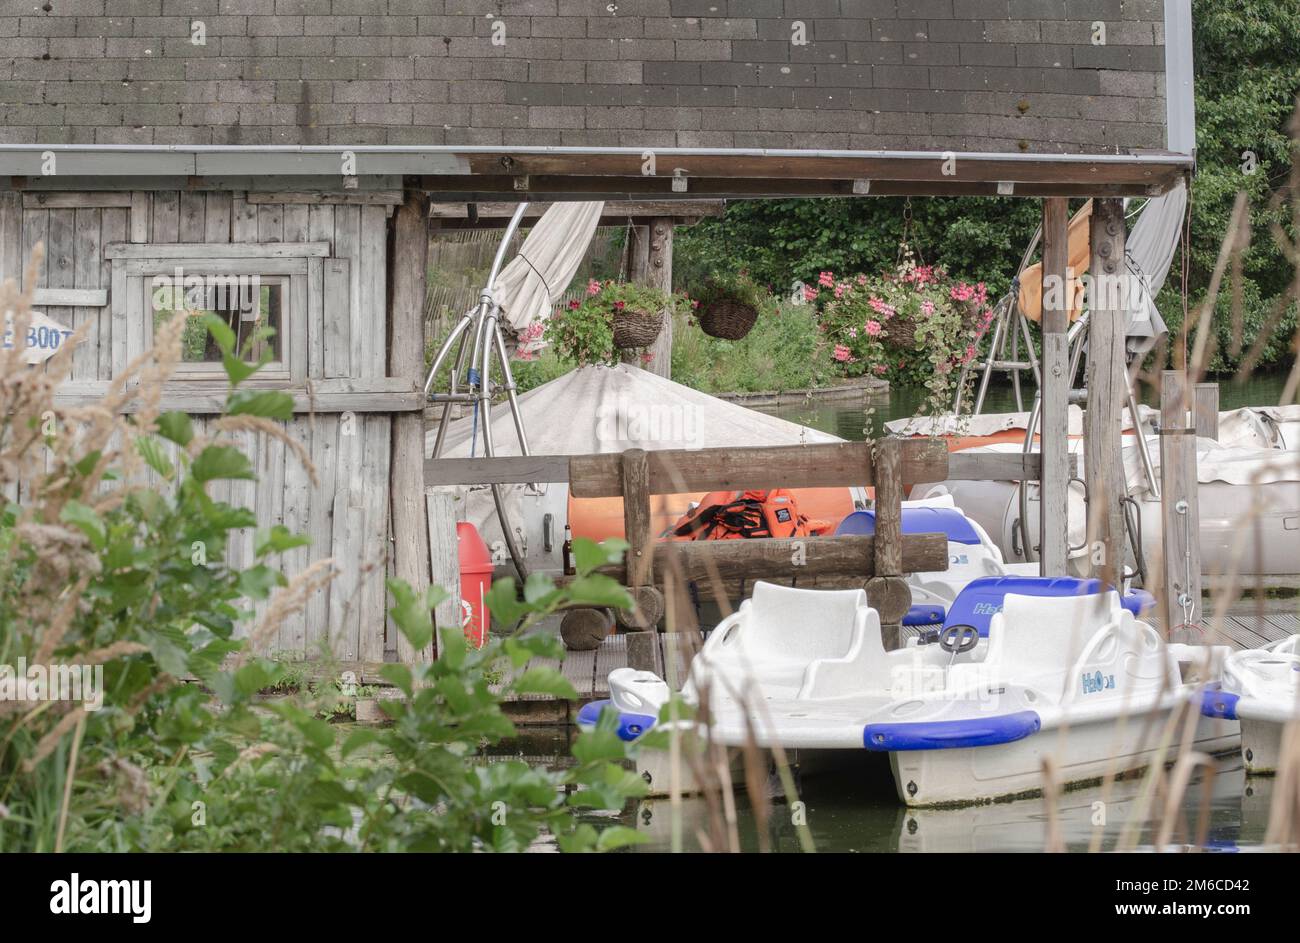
1013 76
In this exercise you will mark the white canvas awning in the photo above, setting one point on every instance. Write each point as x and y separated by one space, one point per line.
534 280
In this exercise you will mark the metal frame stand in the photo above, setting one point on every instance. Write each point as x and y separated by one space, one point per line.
482 323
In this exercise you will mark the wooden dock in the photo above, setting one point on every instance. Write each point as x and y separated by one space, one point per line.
1244 627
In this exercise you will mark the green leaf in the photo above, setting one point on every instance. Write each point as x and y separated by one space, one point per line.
151 451
87 521
176 427
399 676
543 679
502 601
257 582
268 404
222 461
277 540
620 836
588 555
412 612
221 332
597 589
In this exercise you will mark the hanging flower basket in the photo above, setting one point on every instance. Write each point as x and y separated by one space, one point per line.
635 327
728 306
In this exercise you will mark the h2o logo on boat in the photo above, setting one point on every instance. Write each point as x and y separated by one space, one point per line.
986 609
1096 681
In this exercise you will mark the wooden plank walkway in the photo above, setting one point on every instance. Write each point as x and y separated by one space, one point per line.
1244 627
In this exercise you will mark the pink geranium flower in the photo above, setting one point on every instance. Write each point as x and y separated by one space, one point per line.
842 353
826 279
873 328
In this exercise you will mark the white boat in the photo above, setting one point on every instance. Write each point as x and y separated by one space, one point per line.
972 555
1024 669
1261 690
1248 497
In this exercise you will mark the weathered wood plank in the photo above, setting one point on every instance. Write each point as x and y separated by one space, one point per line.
371 316
86 263
347 245
76 199
444 558
1206 406
1107 392
36 228
408 267
114 225
766 558
139 216
193 217
822 465
11 237
337 341
1180 516
1054 478
295 223
60 265
342 198
243 220
165 217
659 274
74 297
266 249
216 218
374 499
324 448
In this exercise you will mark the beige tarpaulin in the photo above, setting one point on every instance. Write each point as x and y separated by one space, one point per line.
535 279
1077 259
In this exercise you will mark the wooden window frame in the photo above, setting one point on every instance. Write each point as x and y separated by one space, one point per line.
297 267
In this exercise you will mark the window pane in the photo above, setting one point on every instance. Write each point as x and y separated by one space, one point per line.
252 309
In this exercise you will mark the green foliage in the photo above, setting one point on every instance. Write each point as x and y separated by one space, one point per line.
733 286
583 332
785 350
139 583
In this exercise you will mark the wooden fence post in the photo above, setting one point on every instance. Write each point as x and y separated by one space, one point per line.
635 472
659 274
887 591
1054 392
1107 391
1206 403
408 279
1180 515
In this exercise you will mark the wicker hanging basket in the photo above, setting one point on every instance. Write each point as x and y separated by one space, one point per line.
727 318
634 328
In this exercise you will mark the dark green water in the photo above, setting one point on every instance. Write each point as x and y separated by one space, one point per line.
852 421
858 811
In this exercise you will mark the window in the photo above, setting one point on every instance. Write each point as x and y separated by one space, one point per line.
262 291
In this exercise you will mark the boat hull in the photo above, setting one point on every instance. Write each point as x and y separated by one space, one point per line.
1078 754
1261 746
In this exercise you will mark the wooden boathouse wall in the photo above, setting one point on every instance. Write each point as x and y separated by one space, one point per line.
346 401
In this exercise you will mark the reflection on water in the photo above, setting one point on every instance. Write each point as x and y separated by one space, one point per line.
853 421
854 815
856 809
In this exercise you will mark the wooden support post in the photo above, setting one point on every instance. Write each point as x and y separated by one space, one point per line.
1053 421
660 275
887 591
1107 392
635 473
1206 405
444 556
407 260
1180 518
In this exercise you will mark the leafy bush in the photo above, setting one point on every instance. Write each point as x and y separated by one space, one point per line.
583 331
115 559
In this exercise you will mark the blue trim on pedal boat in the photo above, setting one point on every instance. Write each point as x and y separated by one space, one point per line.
982 598
950 734
924 614
1216 702
948 521
630 726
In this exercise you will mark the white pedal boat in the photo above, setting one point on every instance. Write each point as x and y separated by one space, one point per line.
1260 690
972 555
1033 668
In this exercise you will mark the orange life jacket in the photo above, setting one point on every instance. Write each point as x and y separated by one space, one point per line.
736 515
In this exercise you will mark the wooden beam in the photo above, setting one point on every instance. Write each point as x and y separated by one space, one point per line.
319 198
223 250
1107 392
407 276
444 558
659 274
522 469
1053 424
49 200
823 465
886 591
71 297
498 212
634 479
1206 404
1180 516
769 558
203 397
